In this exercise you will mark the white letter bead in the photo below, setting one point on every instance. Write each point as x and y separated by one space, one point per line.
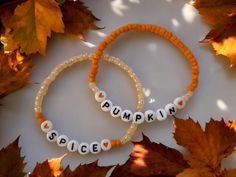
105 144
62 140
161 114
95 147
171 109
106 105
150 116
46 126
100 96
116 111
179 103
127 115
138 117
72 146
83 148
52 135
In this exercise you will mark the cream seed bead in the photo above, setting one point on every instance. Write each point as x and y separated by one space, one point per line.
116 111
100 96
161 114
170 109
84 148
150 116
95 147
106 105
52 136
46 126
106 145
180 102
127 115
73 146
62 140
138 117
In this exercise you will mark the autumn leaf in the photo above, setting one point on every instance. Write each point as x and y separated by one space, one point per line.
206 149
77 17
149 158
229 173
32 24
11 162
49 168
15 70
86 170
221 15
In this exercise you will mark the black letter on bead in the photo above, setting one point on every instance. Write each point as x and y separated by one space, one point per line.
72 146
106 104
82 148
52 136
138 117
62 141
161 113
95 148
172 110
150 117
126 116
116 111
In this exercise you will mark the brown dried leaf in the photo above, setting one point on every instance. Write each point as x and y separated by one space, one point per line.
86 170
49 168
206 149
15 70
11 162
201 172
221 15
77 18
229 173
149 158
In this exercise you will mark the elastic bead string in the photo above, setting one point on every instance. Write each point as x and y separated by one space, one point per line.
72 145
148 116
154 29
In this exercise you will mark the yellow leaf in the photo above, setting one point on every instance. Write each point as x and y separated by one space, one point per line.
227 47
33 22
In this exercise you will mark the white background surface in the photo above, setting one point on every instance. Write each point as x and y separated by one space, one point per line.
162 69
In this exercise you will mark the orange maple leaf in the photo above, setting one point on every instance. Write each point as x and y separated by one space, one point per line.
15 70
206 149
221 15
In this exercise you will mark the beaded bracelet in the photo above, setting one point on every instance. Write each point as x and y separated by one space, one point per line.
72 145
149 115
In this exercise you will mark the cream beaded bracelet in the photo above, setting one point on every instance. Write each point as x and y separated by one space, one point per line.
150 115
72 145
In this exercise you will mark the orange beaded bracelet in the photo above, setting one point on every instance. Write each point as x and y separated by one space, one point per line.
179 102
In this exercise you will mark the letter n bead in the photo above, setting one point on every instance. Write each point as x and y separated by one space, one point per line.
171 109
